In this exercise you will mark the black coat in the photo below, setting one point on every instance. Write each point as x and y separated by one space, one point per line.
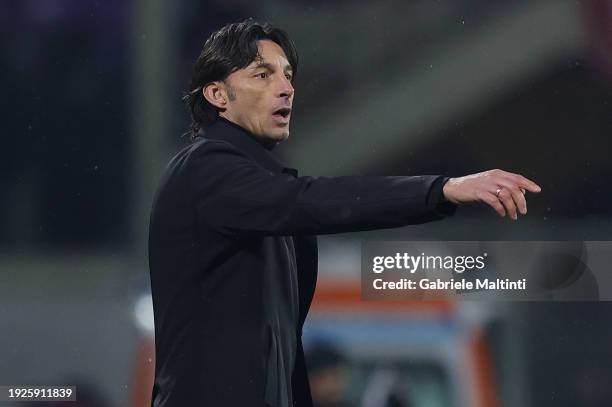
233 262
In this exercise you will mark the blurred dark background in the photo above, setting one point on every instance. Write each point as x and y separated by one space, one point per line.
91 113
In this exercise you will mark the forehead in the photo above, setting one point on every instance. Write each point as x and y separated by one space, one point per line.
270 52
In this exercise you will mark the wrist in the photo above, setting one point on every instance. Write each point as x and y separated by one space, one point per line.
448 190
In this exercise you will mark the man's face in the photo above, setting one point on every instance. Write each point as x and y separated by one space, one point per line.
260 96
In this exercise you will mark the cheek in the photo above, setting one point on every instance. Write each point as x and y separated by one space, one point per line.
262 109
255 105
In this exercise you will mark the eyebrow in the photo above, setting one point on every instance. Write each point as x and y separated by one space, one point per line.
269 66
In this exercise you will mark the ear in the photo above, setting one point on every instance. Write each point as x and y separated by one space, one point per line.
215 93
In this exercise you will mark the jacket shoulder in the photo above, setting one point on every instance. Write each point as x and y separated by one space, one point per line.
211 149
201 149
204 146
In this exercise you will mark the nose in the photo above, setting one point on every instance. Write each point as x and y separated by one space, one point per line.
286 88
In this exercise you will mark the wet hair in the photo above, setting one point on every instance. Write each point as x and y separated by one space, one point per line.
229 49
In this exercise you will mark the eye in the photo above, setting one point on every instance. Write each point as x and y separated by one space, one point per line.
289 77
262 75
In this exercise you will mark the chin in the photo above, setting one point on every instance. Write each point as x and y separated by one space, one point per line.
282 136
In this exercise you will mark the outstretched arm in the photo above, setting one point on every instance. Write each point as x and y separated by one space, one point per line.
235 195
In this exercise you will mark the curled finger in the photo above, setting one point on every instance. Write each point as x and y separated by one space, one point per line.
494 202
517 194
505 197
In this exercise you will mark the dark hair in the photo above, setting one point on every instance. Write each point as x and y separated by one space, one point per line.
231 48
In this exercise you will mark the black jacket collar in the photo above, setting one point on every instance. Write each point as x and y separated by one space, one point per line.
223 129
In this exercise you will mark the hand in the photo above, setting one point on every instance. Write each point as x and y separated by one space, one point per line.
502 190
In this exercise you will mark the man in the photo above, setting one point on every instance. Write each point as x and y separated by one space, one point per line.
232 248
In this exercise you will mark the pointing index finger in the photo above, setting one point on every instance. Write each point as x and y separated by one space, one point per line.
529 185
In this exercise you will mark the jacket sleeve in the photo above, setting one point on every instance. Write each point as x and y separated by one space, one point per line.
236 196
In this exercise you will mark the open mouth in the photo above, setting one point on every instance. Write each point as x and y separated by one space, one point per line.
282 112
